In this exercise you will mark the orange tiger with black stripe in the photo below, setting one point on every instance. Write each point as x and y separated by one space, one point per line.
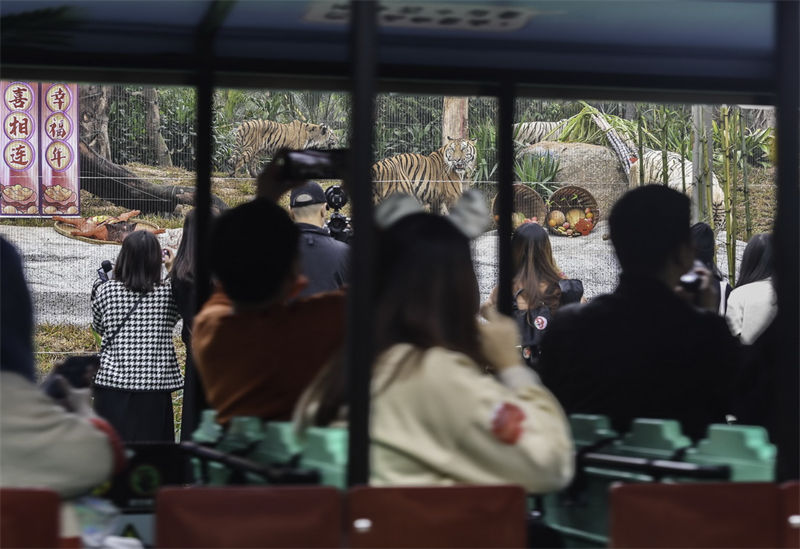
436 180
254 137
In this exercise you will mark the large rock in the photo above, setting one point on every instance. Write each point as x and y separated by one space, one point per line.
597 169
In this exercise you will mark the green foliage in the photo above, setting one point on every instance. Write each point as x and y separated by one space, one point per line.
538 171
178 110
484 136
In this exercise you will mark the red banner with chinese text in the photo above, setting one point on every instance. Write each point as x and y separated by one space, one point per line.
19 174
60 192
39 174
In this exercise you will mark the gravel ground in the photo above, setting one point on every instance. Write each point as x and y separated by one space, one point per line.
60 270
587 258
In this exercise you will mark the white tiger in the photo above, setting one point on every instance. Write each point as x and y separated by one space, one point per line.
652 165
530 133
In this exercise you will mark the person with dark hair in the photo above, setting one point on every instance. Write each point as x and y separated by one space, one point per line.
437 416
753 304
135 313
646 350
255 345
61 445
182 278
324 261
539 287
705 248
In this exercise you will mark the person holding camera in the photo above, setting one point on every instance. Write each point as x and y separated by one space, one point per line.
135 313
653 348
255 344
323 259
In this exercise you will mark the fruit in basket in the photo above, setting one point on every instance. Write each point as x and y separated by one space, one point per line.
517 219
566 225
574 215
584 226
589 215
556 218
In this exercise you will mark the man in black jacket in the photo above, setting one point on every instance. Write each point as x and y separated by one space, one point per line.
324 259
650 349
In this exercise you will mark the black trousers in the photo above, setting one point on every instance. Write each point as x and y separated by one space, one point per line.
138 416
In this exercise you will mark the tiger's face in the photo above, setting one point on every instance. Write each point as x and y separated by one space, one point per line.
321 136
459 156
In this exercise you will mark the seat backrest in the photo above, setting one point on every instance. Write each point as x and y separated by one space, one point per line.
326 451
587 429
453 516
701 515
651 438
249 516
745 448
29 517
790 514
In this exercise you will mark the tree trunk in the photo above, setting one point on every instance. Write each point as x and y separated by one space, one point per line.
152 122
455 118
121 187
629 111
94 118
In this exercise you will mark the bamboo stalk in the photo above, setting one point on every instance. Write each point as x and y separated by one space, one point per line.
733 129
664 128
641 148
708 169
748 227
726 189
683 157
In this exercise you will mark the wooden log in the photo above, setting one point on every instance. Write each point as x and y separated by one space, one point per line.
122 187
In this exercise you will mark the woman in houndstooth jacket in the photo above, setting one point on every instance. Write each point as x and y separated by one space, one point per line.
136 315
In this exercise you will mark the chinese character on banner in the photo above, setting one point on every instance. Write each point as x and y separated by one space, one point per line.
18 96
58 98
19 169
58 126
60 169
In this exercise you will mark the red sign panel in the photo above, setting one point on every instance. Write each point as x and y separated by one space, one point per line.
39 172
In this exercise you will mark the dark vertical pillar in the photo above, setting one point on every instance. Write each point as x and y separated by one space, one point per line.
505 197
786 234
359 348
204 48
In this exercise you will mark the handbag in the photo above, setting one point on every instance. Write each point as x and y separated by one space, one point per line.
107 342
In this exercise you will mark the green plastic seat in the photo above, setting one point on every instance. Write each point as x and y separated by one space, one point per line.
326 451
651 438
208 431
279 445
745 448
588 429
242 434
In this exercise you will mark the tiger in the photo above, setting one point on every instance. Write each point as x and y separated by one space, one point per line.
254 137
530 133
436 180
652 164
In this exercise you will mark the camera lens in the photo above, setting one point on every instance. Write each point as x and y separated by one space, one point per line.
336 197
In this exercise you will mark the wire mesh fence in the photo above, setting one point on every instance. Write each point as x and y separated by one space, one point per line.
139 151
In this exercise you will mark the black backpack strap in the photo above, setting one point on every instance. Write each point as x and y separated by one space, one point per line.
107 342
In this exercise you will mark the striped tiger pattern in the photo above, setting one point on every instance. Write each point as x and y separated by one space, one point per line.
529 133
436 180
254 137
653 163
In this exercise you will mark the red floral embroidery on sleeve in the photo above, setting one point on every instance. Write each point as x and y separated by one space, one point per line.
507 423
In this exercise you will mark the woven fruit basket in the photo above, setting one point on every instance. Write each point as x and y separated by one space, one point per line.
527 205
573 212
67 230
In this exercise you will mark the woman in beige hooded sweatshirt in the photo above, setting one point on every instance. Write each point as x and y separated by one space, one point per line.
452 402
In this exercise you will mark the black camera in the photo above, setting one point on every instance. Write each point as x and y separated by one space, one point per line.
312 164
78 371
338 224
104 274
